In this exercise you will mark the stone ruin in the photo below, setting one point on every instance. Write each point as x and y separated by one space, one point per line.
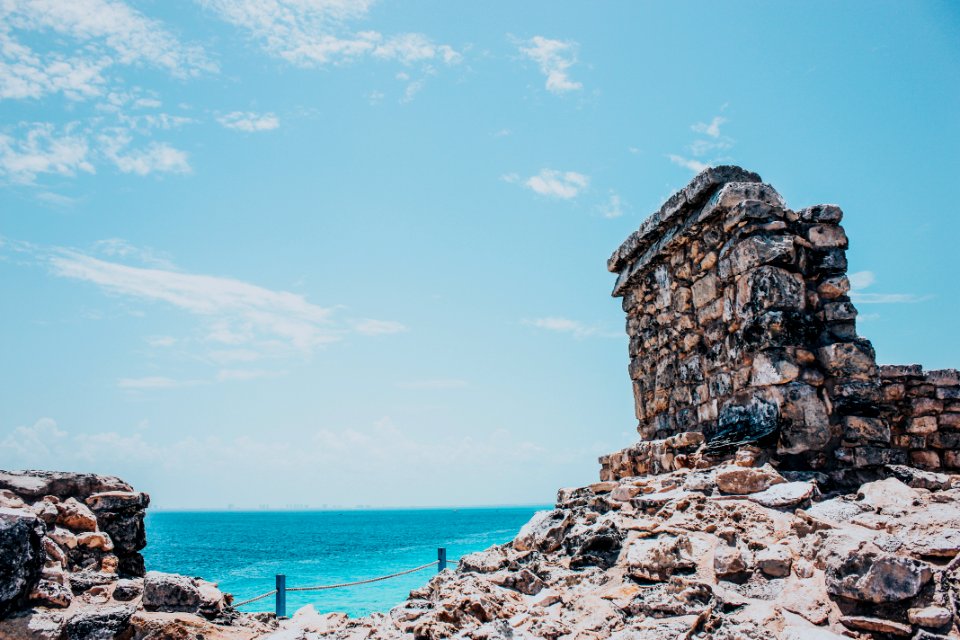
743 341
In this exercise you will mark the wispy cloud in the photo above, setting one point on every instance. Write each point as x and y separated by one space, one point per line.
694 165
249 121
98 33
240 311
572 327
155 157
44 149
614 206
711 128
311 33
712 144
379 327
555 58
240 322
860 280
551 182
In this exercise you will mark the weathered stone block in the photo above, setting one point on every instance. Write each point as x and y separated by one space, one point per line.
804 421
860 429
704 290
848 360
773 367
922 425
821 213
824 236
755 251
770 288
834 287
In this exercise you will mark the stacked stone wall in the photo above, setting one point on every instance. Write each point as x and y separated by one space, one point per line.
922 411
741 329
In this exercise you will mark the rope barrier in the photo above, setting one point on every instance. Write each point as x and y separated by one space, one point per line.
367 581
347 584
260 597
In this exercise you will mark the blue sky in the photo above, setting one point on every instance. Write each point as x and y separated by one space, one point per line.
321 252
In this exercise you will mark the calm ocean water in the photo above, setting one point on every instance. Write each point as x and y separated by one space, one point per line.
243 551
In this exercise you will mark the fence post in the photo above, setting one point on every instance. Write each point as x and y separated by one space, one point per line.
441 559
281 595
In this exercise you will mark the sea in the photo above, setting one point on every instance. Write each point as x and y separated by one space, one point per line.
244 551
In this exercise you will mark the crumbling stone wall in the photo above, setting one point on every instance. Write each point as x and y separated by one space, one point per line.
741 329
922 411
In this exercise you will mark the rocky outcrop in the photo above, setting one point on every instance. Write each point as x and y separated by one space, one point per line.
71 569
680 555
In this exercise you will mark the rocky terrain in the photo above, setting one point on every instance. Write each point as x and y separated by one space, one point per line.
71 569
785 485
733 551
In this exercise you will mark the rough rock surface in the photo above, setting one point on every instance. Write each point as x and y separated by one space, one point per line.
699 563
71 569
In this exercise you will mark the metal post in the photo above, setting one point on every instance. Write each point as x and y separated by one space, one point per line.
441 559
281 595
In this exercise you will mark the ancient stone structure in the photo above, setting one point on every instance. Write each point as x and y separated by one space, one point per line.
742 333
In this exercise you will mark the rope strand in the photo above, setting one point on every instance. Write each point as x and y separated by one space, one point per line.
260 597
367 581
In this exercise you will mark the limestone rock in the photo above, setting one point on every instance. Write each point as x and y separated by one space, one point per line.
170 592
99 623
128 589
33 624
930 617
544 532
76 516
785 494
878 625
660 557
775 561
743 480
21 556
871 576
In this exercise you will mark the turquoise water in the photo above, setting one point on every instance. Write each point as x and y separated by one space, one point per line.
243 551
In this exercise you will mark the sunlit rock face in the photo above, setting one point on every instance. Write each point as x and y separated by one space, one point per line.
742 329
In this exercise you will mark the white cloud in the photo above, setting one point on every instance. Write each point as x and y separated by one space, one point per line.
311 33
101 34
711 146
44 149
120 248
557 184
155 157
161 341
554 57
239 312
379 327
613 207
565 325
860 280
712 128
249 121
694 165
